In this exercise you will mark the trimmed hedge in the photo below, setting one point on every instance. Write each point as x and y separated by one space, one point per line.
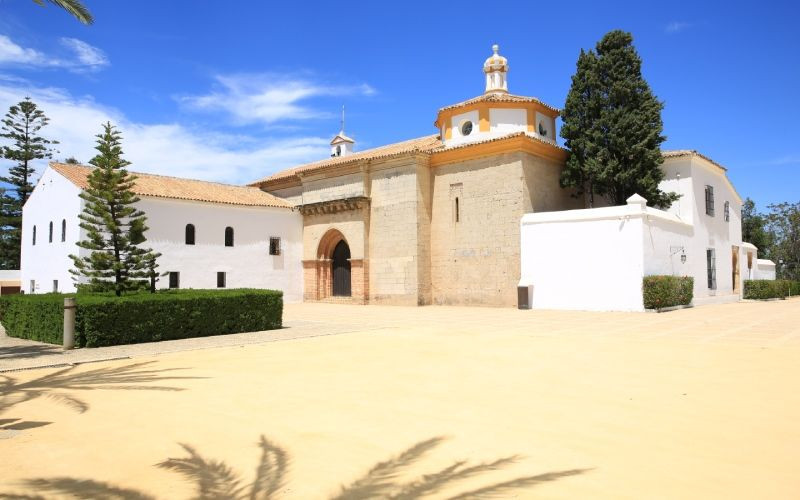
770 289
661 291
104 320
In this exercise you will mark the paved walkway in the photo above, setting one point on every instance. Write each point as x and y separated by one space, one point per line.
698 403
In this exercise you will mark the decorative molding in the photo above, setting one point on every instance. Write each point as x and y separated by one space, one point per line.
335 206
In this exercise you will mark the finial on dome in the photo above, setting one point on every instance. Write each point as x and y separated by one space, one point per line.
496 68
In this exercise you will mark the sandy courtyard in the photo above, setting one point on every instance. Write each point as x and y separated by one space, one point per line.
437 401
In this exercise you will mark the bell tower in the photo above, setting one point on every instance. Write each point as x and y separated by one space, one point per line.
341 145
496 69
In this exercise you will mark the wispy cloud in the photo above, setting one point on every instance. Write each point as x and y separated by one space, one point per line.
80 56
791 159
268 98
676 27
162 148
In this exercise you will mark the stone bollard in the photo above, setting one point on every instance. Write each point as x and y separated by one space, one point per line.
69 322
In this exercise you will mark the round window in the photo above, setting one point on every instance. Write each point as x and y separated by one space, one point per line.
466 128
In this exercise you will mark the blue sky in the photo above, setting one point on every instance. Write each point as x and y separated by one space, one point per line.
232 91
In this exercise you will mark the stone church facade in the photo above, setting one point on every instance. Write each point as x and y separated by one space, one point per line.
432 220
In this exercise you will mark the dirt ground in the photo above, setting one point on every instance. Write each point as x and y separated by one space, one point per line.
439 401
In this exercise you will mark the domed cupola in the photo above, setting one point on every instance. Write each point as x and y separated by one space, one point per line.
496 69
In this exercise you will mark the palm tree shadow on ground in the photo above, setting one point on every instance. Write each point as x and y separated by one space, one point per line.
215 480
136 376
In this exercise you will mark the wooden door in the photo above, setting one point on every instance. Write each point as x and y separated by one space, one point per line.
341 270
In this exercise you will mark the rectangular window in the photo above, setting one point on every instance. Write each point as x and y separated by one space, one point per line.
174 279
33 286
727 211
710 200
457 212
274 245
221 279
711 265
55 286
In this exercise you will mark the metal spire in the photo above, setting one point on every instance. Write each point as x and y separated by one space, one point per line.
342 132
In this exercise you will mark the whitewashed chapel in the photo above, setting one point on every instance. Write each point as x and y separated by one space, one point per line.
462 216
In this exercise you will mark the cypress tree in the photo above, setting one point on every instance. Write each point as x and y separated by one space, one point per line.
115 228
612 126
21 125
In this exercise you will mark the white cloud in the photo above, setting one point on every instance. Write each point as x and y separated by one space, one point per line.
267 98
162 148
83 57
676 26
88 55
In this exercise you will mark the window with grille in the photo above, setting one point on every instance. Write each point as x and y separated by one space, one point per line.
174 279
189 236
710 200
229 236
727 211
55 286
274 245
711 265
221 279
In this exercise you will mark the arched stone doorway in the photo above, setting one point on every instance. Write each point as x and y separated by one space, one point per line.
340 266
335 275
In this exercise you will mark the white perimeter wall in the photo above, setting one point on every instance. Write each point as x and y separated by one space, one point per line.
53 199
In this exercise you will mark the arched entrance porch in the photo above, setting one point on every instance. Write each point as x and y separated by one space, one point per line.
334 275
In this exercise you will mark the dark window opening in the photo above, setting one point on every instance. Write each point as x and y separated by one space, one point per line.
274 245
228 236
55 286
710 201
34 235
64 230
174 279
727 211
190 234
221 279
711 266
458 215
50 234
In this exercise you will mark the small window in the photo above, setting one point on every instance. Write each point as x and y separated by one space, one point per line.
221 279
174 279
33 286
64 230
190 234
339 150
466 128
727 211
710 200
458 215
228 236
34 235
711 267
274 245
50 235
542 130
55 286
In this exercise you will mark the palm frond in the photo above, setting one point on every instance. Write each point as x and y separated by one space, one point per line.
74 7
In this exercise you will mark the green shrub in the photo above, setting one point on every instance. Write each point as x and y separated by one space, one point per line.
34 317
666 291
770 289
104 320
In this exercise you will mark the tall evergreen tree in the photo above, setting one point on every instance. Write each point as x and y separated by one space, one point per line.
115 228
612 126
21 126
756 229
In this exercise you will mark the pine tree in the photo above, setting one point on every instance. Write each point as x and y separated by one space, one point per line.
21 125
115 228
612 126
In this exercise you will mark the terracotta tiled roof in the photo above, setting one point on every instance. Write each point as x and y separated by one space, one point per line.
689 152
419 145
161 186
499 97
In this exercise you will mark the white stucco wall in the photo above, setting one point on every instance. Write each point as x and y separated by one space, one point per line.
53 199
506 121
247 264
765 270
458 120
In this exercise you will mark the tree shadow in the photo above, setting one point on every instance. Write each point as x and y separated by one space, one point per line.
51 385
28 351
15 424
384 479
214 479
